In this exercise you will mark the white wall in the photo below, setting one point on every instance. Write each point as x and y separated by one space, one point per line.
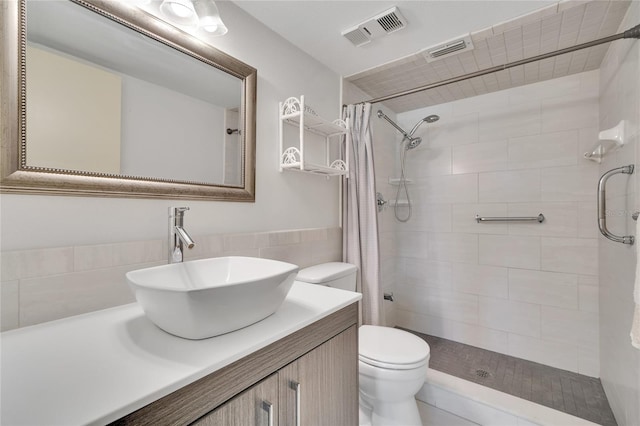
283 201
524 289
620 100
64 256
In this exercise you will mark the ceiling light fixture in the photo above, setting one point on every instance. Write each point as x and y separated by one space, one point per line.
209 16
180 12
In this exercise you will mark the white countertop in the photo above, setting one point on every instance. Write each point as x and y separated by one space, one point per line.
98 367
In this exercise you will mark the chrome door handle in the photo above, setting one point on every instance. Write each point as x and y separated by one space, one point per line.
602 205
296 387
268 407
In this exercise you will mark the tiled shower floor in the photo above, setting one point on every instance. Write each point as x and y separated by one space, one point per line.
573 393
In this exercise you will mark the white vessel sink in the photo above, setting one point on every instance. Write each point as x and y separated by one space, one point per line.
208 297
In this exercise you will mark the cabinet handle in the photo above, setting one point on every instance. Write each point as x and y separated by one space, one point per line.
268 407
296 387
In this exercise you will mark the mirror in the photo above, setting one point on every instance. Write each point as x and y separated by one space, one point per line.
105 99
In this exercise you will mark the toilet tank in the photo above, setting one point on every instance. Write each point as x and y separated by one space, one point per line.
333 274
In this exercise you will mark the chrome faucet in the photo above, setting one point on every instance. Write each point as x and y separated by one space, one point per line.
178 237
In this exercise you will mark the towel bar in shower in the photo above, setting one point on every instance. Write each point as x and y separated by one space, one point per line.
539 219
602 205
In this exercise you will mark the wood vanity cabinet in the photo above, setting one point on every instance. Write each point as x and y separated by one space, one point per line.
309 378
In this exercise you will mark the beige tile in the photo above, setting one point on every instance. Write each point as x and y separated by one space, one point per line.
554 354
288 253
36 263
572 255
324 251
588 293
470 334
509 186
437 302
544 288
427 217
510 251
93 257
560 219
569 112
453 247
10 305
413 244
428 160
571 183
49 298
280 238
588 220
446 189
481 280
420 272
310 235
544 150
145 251
464 218
480 157
206 246
589 361
234 242
570 326
509 121
510 316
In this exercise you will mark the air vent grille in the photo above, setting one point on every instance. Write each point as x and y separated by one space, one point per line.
382 24
451 47
391 22
356 36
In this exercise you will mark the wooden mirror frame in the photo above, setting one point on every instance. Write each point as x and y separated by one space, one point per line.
17 177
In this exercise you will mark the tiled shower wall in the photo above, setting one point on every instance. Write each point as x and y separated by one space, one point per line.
620 100
47 284
525 289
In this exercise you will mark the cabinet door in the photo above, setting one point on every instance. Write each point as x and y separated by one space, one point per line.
321 387
256 406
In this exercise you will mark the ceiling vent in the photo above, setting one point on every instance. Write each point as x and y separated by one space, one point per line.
384 23
449 48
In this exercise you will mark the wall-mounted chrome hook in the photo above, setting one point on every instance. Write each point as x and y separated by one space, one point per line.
602 205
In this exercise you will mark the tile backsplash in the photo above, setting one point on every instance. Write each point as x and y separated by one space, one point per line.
42 285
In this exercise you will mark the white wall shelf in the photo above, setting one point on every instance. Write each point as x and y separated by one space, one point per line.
294 112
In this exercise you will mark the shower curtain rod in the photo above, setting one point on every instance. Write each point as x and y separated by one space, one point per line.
630 33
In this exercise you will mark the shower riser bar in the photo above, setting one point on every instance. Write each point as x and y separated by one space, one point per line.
539 219
630 33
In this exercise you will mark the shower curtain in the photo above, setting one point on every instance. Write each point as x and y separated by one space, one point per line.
360 222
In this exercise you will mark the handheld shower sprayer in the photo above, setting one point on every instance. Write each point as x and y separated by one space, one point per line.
411 143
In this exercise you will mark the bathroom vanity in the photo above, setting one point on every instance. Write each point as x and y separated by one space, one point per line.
298 366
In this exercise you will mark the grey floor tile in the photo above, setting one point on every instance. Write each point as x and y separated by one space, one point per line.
573 393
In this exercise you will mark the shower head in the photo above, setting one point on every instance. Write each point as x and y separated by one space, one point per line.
428 119
413 143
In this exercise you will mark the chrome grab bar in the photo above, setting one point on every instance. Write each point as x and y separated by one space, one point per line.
602 205
539 219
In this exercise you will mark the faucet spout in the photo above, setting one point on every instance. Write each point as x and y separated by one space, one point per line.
184 237
178 236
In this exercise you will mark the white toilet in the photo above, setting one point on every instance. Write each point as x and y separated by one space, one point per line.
392 363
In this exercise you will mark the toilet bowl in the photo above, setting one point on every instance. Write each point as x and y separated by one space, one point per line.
392 364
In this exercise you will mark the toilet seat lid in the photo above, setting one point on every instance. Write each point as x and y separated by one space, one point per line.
388 347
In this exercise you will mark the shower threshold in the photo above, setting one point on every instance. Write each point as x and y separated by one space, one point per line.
575 394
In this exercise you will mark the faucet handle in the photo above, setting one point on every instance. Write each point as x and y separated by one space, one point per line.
177 211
